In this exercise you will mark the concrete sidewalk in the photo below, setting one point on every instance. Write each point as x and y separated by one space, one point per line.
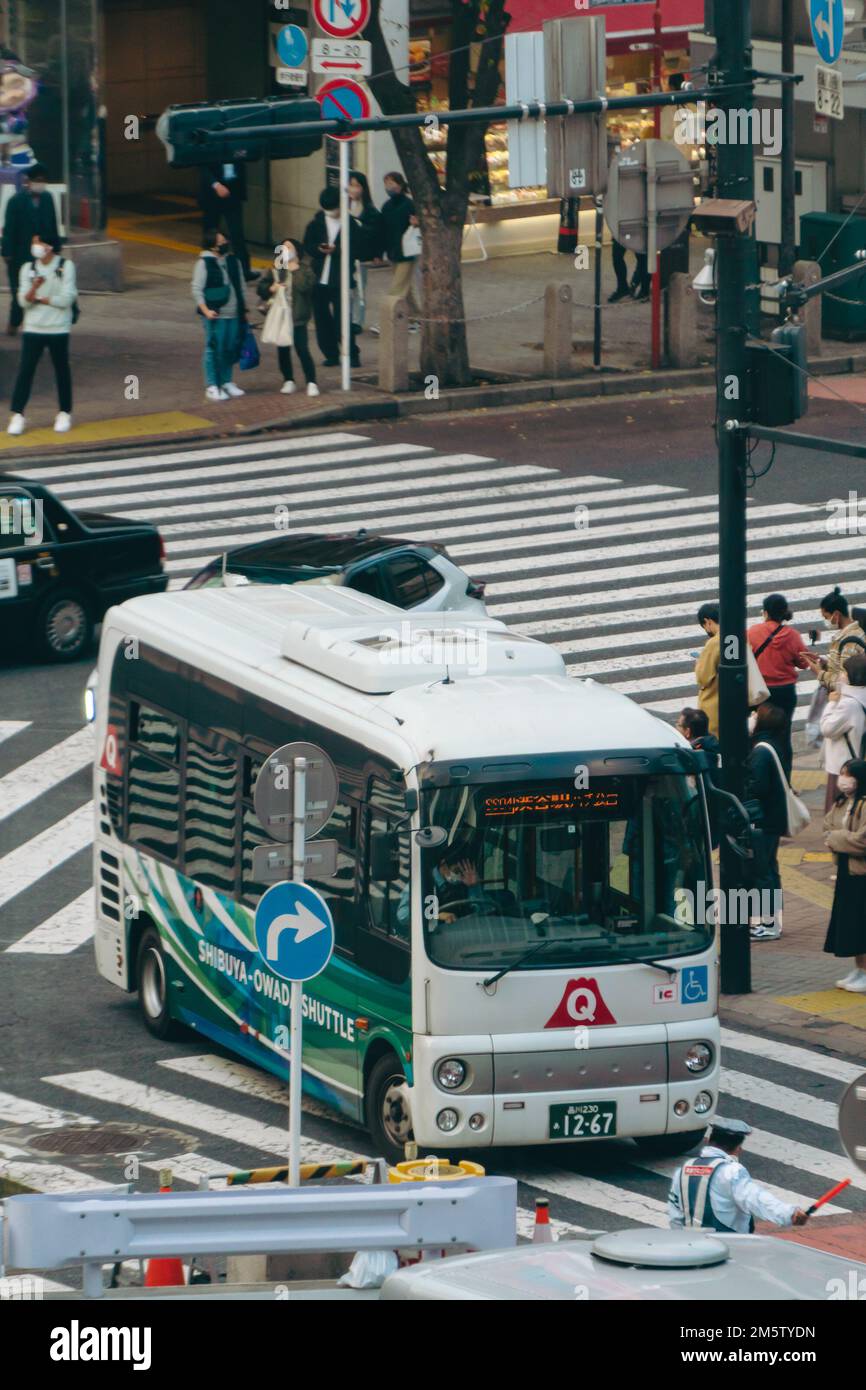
137 370
793 981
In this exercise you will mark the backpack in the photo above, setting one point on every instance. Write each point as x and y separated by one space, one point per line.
58 270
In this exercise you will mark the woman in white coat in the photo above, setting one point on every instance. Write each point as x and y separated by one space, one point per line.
844 720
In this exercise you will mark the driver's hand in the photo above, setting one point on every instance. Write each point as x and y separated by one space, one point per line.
468 873
447 918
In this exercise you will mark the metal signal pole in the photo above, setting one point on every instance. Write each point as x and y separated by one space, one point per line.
734 259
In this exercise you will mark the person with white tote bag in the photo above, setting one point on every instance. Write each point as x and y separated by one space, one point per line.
287 290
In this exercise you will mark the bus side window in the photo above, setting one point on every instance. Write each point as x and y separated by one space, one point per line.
211 784
153 797
385 934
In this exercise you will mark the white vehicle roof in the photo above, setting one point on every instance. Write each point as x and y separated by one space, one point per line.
639 1264
451 682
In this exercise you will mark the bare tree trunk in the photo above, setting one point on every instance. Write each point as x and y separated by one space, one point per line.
442 212
444 345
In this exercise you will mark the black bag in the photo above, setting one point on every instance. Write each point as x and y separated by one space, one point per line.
217 291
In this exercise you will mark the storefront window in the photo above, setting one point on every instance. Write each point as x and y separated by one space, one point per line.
56 40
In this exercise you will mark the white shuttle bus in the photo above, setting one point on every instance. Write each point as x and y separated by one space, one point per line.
528 977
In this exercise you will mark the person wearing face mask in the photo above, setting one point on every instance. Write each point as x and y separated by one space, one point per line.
30 213
323 246
293 281
781 655
834 611
843 722
845 834
218 293
369 219
766 799
48 297
398 215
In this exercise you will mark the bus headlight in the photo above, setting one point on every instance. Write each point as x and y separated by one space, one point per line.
447 1120
451 1073
698 1057
703 1102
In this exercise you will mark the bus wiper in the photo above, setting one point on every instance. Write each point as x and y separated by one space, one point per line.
669 970
527 955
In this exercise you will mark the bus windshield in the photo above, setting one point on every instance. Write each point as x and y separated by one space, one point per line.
611 872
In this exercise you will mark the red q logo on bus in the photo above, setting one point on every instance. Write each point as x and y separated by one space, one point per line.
110 760
580 1004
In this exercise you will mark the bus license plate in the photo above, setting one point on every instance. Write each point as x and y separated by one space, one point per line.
588 1119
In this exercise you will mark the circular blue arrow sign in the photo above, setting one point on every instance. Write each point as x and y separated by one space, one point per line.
827 18
294 931
292 46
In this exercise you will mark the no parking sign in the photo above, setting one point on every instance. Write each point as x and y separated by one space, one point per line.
344 100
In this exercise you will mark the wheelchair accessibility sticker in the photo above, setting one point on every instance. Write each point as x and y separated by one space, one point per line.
695 987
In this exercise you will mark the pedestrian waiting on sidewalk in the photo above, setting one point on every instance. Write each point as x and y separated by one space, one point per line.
845 832
402 242
29 213
48 296
767 802
323 246
218 292
781 654
362 207
707 667
835 612
287 294
843 722
694 725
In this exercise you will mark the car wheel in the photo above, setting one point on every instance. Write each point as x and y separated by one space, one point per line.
389 1119
153 987
64 625
671 1145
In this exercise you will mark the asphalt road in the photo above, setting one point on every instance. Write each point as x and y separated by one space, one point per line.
59 1018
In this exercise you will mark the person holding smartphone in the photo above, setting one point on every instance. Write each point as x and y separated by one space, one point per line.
323 245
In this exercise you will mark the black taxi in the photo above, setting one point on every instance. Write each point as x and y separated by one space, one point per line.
61 570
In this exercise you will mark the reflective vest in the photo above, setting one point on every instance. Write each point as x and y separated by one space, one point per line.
696 1179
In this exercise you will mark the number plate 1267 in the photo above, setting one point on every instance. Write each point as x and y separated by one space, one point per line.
588 1119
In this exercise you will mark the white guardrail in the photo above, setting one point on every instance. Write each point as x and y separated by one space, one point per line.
91 1229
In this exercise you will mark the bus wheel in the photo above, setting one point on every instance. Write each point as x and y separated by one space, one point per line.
153 987
387 1102
64 626
672 1145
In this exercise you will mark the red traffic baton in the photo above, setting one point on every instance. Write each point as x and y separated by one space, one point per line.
828 1196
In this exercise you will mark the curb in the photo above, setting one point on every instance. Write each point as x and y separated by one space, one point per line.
494 397
756 1010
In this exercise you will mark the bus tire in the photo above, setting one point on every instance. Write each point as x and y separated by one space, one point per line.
672 1145
153 986
64 625
387 1108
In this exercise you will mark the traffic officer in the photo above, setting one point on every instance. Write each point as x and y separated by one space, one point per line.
716 1192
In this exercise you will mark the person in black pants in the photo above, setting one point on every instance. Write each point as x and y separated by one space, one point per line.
639 288
322 243
29 213
222 194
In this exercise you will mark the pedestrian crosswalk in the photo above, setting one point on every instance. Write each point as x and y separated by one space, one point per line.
609 573
231 1116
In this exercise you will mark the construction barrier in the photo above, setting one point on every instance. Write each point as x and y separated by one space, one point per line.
434 1170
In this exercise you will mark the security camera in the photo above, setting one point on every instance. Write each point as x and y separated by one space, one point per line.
704 282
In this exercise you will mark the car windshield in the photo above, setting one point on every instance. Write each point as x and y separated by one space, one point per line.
603 874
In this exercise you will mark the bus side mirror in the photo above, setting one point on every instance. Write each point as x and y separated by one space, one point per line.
384 856
734 821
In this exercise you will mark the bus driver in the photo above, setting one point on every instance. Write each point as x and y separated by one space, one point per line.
458 884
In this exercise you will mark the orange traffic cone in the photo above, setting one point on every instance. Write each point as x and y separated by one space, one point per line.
163 1273
542 1234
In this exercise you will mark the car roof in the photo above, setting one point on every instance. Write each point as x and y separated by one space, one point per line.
320 550
28 483
745 1267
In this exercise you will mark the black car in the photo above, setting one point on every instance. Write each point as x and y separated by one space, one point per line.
408 574
61 570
